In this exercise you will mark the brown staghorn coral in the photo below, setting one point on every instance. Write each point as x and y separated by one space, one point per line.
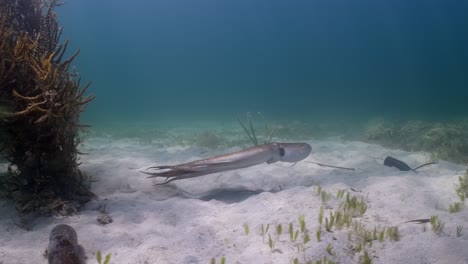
43 100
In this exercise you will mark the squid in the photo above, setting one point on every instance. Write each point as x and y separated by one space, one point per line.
266 153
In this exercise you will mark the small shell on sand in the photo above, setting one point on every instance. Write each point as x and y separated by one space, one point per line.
104 219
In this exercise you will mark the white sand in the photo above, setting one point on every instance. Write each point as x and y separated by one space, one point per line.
192 221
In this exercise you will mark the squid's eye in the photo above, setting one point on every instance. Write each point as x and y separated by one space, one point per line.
281 152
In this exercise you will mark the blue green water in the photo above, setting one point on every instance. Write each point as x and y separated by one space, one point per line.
310 59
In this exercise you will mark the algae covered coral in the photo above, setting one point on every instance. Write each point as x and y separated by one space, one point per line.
41 100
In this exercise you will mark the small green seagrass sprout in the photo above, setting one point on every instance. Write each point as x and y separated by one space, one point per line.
306 239
366 237
328 226
459 231
359 247
455 207
329 223
222 261
462 190
302 223
342 219
319 189
319 234
246 229
270 243
321 212
366 259
340 194
437 225
291 232
338 219
392 233
353 206
329 249
99 258
296 234
382 235
325 197
279 229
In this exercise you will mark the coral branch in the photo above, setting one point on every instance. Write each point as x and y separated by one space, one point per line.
41 128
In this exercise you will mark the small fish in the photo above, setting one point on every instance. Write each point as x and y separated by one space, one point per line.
392 162
419 221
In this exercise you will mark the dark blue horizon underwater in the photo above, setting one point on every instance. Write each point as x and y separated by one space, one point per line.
293 59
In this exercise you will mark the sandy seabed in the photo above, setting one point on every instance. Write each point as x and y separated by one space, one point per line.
195 220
